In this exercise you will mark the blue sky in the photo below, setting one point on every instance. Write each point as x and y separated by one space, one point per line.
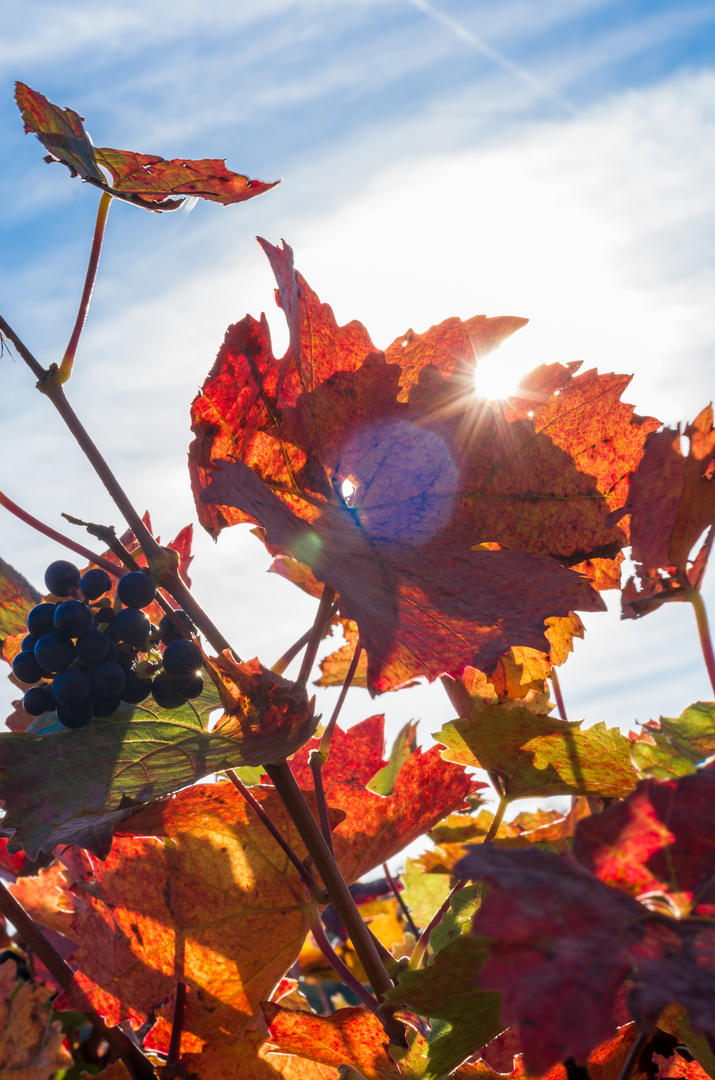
550 159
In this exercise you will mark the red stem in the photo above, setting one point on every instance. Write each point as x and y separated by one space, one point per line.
340 968
52 534
701 617
290 654
65 369
557 694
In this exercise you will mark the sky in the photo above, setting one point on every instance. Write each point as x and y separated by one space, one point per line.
552 160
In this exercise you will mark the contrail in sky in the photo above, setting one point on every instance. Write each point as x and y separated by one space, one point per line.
496 57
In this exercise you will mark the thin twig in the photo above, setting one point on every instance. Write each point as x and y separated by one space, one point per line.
59 538
177 1025
65 368
398 896
633 1054
326 737
558 695
418 953
290 654
340 968
34 365
139 1066
316 635
316 761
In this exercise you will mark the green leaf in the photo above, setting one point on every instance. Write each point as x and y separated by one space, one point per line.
74 787
17 597
446 989
675 747
423 893
541 755
383 782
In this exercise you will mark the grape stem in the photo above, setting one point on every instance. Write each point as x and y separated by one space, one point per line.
59 538
65 369
340 968
138 1065
496 820
290 654
701 617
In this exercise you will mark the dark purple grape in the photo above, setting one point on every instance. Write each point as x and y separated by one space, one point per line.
164 694
106 679
94 583
26 669
38 700
131 625
182 659
93 647
55 652
60 577
168 632
126 658
107 705
136 689
105 614
188 688
28 643
73 618
70 688
136 590
41 620
77 717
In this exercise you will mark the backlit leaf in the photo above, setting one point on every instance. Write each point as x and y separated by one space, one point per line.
541 755
383 782
17 597
31 1043
143 179
674 747
138 754
349 1037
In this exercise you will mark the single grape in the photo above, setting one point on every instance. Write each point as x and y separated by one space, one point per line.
41 620
77 717
136 590
55 652
70 688
182 659
26 669
28 643
93 647
164 694
106 679
38 700
94 583
73 618
168 632
131 625
135 689
189 688
60 577
107 705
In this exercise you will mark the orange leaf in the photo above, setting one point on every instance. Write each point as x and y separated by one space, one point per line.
348 1037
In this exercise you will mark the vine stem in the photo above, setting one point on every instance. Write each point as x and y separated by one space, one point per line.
52 534
65 368
316 634
340 968
338 891
418 953
556 684
177 1025
138 1065
701 618
633 1054
290 654
402 905
496 820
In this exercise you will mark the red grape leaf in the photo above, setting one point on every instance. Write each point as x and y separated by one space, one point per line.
421 610
659 840
674 747
377 828
143 179
446 988
47 898
563 945
541 755
138 754
671 503
677 1066
219 907
31 1043
351 1036
17 597
335 410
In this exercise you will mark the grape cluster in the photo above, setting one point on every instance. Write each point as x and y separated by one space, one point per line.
85 655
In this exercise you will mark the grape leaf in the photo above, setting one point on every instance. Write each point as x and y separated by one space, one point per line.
143 179
377 828
565 942
17 597
31 1043
421 610
671 503
659 840
405 744
352 1036
674 747
539 755
137 754
218 906
423 893
47 898
430 476
447 989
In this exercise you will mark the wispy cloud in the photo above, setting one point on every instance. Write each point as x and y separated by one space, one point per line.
498 58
